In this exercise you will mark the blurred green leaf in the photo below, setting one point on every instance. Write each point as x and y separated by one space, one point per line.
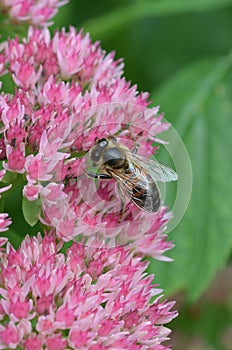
200 99
111 21
11 203
14 238
8 85
9 177
31 210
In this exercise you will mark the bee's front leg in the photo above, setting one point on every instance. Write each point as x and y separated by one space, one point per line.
97 176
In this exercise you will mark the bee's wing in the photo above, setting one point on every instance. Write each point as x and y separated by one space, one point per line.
139 187
156 170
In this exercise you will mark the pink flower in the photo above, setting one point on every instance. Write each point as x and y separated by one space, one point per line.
25 74
31 192
56 342
9 336
99 306
33 343
5 220
31 11
16 158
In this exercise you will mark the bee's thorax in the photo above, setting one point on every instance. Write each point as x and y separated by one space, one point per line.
114 158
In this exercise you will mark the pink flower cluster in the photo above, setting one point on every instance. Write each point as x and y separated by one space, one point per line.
96 295
36 12
85 299
68 92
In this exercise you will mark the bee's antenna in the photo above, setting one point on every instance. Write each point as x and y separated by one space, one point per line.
113 138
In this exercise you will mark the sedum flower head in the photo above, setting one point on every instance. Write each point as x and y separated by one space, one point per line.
36 12
88 298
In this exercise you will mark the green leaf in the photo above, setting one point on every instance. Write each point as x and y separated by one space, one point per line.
109 22
31 211
198 100
9 177
14 238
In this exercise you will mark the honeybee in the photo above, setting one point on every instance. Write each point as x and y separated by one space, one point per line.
135 175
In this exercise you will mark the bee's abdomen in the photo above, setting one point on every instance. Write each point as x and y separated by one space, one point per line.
153 201
147 198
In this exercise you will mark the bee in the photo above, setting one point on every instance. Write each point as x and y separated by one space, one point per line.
134 175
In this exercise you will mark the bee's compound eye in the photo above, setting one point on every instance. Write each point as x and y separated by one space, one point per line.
95 155
97 150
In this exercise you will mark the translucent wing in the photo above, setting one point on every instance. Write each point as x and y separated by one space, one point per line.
139 187
157 171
